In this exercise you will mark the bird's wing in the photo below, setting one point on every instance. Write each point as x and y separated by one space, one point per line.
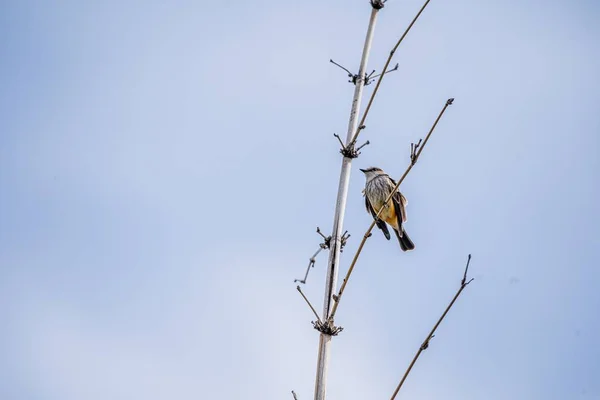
380 224
399 203
402 202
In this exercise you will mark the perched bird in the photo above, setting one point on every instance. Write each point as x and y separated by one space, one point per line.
377 188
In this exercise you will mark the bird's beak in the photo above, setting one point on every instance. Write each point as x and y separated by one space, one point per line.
363 171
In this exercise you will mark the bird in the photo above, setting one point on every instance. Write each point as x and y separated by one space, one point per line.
378 187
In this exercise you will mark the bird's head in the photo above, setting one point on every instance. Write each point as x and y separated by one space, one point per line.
372 172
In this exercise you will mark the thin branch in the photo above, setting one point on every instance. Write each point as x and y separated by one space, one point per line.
363 145
339 140
308 302
368 233
326 239
343 240
294 394
413 151
466 270
425 344
383 72
311 263
312 260
370 78
350 74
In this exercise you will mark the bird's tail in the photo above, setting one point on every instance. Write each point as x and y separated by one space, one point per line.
405 242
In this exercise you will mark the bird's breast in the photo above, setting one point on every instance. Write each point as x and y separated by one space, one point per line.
376 192
377 198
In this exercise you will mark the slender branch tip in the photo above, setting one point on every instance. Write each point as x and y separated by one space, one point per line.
431 335
308 302
464 279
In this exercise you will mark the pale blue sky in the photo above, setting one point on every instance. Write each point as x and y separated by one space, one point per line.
163 166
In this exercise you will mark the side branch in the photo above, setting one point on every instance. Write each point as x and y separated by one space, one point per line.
311 261
383 73
308 302
415 154
425 344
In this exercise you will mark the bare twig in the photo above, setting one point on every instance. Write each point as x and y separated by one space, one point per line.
383 73
339 140
353 77
344 240
294 394
425 344
326 239
312 260
370 78
308 302
413 151
466 270
311 263
361 146
350 74
414 158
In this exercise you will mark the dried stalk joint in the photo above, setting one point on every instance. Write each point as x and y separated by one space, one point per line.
349 150
365 79
378 4
327 328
